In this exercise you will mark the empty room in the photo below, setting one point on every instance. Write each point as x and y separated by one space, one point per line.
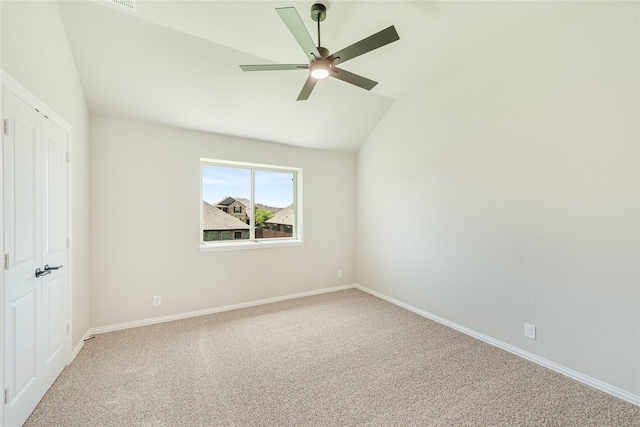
320 213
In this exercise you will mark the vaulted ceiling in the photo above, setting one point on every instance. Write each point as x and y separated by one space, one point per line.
177 63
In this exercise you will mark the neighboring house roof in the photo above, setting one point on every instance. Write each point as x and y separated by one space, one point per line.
226 201
215 219
283 216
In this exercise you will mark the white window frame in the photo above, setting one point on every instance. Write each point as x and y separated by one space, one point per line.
253 243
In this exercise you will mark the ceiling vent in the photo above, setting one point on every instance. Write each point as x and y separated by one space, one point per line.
127 4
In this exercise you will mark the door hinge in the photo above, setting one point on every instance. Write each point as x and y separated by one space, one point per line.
6 395
6 261
6 127
68 329
68 243
68 156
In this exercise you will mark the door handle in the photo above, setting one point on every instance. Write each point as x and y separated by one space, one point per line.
47 270
42 272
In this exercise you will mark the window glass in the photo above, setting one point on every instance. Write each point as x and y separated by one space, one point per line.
274 193
221 187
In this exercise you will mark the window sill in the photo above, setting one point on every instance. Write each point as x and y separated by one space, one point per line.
241 246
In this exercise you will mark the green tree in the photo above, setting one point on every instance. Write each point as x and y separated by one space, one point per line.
262 216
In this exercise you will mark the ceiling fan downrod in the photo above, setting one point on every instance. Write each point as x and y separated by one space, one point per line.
318 14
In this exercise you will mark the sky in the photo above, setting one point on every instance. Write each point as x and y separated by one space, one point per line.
273 189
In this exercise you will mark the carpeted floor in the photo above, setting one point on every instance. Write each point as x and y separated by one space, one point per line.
342 358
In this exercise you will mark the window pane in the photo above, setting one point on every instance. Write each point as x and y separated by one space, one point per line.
210 235
225 197
273 204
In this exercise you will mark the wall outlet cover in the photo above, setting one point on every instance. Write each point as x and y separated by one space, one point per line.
530 331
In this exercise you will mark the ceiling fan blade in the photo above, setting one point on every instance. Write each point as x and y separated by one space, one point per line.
352 78
307 88
292 20
274 67
379 39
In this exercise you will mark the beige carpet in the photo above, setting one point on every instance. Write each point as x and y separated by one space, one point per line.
343 358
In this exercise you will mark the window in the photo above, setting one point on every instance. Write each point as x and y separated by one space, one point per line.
248 205
210 235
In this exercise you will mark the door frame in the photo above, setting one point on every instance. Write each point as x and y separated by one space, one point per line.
11 84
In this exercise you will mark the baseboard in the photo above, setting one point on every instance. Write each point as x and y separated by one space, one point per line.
78 347
585 379
162 319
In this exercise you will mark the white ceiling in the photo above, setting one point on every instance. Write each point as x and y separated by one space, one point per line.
177 62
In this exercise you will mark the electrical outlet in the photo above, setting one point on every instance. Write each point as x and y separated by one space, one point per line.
157 300
530 331
340 274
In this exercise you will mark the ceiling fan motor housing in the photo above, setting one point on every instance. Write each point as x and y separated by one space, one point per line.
324 52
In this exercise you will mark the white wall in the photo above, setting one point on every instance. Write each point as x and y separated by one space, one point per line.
145 186
515 190
36 53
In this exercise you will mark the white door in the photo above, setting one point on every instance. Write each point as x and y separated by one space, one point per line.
54 249
35 182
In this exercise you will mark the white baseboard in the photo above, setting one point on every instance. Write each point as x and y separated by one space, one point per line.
144 322
600 385
78 347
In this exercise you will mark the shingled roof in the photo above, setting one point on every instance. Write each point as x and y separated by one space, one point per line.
214 219
283 216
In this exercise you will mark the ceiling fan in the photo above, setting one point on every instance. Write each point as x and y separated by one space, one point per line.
322 63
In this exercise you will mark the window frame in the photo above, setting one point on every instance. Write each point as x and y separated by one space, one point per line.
252 242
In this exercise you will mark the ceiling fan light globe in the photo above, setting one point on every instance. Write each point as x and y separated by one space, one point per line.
320 73
319 69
